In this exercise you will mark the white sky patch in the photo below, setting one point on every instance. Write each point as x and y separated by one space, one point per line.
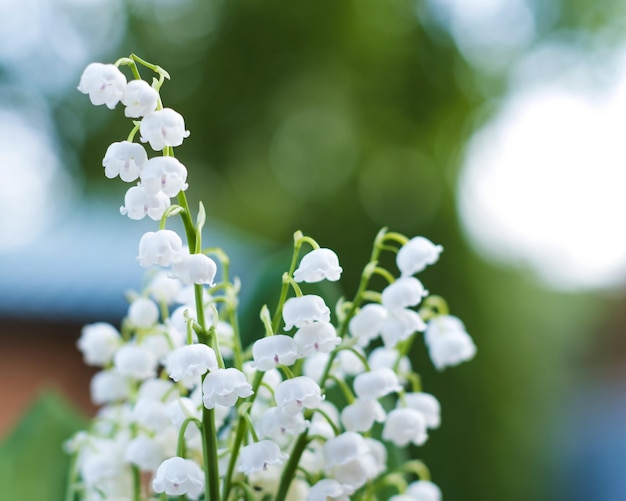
544 184
36 188
488 32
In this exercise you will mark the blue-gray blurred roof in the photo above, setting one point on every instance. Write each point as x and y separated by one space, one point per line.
80 269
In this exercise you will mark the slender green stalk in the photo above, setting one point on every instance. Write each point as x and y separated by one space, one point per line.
291 466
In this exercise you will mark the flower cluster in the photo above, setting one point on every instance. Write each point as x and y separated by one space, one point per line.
308 411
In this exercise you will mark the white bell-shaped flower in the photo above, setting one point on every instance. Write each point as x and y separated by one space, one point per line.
104 83
163 128
159 247
124 159
164 174
343 448
424 490
318 265
138 204
135 361
258 456
139 98
404 426
416 254
367 323
190 361
178 476
376 384
195 269
379 452
361 415
401 497
145 452
329 489
276 424
109 386
143 312
315 338
157 389
151 414
403 293
448 342
400 325
427 404
302 310
163 288
349 460
224 387
98 342
388 357
293 395
271 351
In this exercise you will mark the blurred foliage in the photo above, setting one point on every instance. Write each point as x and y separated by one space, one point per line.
32 462
338 118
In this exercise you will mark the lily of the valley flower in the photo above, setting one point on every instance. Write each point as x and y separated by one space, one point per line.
224 387
139 204
271 351
104 83
404 426
124 159
163 128
165 175
258 456
302 310
139 98
416 254
448 342
190 361
99 342
159 247
178 476
293 395
318 265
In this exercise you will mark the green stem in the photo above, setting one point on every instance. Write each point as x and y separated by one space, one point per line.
136 483
292 465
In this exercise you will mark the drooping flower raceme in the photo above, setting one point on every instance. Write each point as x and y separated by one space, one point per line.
189 410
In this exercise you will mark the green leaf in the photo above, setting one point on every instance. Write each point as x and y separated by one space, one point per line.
32 462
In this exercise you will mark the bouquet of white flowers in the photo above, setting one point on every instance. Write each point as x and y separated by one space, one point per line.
308 411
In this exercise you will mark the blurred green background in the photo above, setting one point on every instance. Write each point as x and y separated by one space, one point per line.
338 118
